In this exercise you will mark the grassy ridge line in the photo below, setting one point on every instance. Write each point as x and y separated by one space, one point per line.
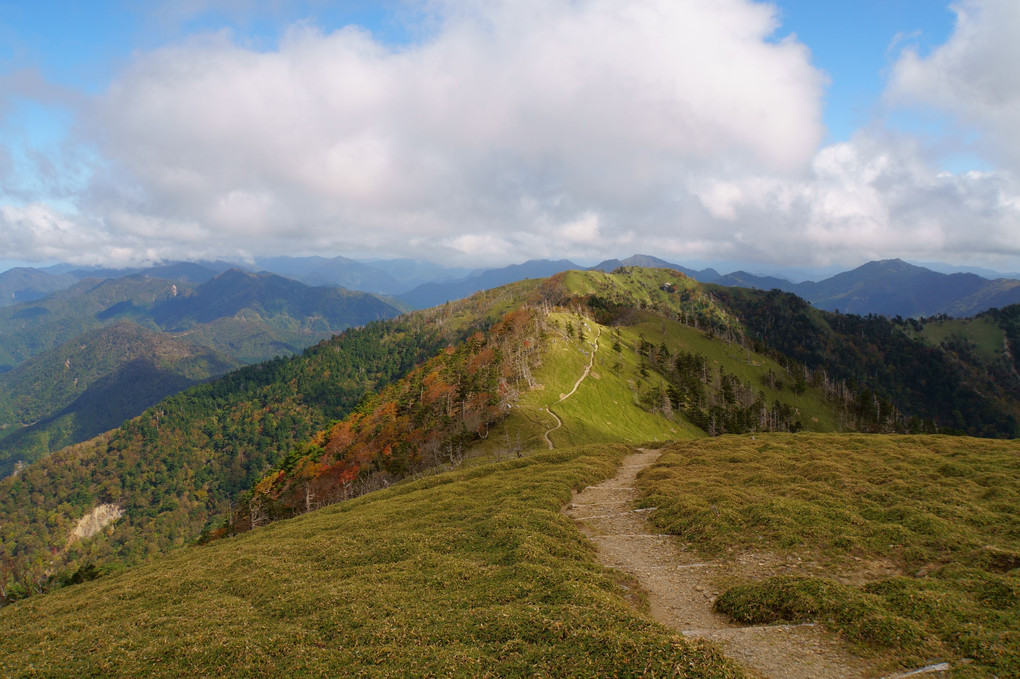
472 573
942 511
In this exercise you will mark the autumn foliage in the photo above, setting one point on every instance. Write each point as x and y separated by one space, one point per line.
425 420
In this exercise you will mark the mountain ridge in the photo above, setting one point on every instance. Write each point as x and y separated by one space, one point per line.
677 359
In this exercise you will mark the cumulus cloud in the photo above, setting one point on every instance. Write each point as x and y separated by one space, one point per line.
516 129
873 197
514 124
974 75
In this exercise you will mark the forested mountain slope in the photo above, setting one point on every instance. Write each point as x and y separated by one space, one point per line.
83 360
629 356
249 317
177 467
93 384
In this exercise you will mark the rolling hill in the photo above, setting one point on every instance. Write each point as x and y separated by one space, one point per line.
292 314
91 385
574 362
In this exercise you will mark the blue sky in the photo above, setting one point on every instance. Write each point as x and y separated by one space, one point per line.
855 42
487 131
81 46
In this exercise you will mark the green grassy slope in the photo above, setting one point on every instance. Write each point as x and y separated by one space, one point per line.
937 514
472 573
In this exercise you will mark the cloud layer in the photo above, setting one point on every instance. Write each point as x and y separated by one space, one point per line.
527 129
973 76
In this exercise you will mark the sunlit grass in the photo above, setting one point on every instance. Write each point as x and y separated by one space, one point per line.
942 510
474 573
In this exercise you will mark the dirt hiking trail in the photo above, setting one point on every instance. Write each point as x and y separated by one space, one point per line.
564 397
681 592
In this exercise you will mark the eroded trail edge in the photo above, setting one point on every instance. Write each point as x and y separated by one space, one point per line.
681 591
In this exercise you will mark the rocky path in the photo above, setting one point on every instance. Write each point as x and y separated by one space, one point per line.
681 592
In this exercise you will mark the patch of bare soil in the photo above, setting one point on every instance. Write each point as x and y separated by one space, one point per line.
681 590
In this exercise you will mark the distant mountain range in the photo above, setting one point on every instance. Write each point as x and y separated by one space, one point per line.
650 354
433 294
83 359
889 287
892 288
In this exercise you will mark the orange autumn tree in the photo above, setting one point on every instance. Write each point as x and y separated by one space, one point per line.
429 418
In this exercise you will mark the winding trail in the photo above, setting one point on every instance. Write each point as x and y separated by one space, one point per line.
548 408
681 589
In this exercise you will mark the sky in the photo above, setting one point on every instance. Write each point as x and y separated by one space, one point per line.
774 136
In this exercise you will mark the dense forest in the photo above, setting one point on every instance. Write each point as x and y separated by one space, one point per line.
876 367
420 422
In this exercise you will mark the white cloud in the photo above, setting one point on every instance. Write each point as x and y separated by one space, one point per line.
524 117
974 76
874 197
530 128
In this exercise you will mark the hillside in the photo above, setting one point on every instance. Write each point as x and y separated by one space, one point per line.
85 359
583 357
177 468
636 356
476 571
91 385
470 573
226 312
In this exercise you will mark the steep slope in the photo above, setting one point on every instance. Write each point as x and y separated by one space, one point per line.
93 384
